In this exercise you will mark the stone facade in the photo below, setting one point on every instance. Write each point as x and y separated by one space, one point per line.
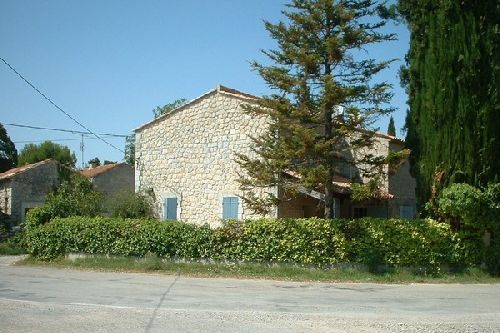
188 155
26 187
111 179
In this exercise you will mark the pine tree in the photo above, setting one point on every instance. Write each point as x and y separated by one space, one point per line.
391 129
32 153
8 152
324 100
453 127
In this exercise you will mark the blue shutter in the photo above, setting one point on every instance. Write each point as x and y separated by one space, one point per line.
230 207
170 209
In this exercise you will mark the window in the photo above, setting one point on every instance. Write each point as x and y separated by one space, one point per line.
407 212
230 207
359 212
170 208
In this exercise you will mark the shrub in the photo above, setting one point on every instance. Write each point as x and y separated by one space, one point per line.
73 197
423 244
301 241
130 205
463 202
125 237
374 242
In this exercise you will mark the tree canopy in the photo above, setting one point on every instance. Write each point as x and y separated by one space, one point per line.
32 153
95 162
161 110
452 77
8 152
326 100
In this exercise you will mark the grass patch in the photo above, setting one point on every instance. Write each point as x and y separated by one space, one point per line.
8 248
257 271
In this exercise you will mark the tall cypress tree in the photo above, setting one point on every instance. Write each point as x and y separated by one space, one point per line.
324 98
391 129
453 124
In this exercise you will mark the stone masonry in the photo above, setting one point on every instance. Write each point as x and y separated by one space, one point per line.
26 187
189 153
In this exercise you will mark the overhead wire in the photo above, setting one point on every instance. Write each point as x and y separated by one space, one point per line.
64 130
58 107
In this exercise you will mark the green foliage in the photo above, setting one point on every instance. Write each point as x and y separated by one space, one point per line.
73 197
32 153
95 162
119 237
8 152
325 93
366 191
130 150
130 205
307 242
159 111
391 128
453 82
478 212
423 244
462 201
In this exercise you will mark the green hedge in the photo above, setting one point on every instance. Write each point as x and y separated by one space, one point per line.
114 236
373 242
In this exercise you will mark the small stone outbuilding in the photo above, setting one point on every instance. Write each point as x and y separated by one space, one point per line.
111 179
26 187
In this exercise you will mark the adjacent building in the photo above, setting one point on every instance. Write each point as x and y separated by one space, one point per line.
26 187
111 179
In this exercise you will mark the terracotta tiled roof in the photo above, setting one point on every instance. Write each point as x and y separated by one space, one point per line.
15 171
92 172
343 186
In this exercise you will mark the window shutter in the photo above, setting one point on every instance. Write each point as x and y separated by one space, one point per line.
170 209
230 207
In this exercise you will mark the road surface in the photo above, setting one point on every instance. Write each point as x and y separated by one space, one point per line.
38 299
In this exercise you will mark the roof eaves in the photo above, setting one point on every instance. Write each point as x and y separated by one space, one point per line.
16 171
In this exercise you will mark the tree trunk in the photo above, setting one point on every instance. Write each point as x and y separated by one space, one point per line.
329 200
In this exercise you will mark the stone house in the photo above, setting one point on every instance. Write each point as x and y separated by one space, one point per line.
185 159
111 179
26 187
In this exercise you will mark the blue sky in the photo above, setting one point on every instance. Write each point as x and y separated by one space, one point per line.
110 63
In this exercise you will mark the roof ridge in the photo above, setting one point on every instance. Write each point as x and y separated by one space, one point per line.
15 171
218 89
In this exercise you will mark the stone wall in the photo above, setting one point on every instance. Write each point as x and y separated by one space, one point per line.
114 181
190 154
5 196
402 185
29 189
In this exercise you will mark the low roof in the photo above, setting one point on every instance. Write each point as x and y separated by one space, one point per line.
341 185
92 172
16 171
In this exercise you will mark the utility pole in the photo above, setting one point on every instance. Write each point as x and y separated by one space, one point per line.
82 147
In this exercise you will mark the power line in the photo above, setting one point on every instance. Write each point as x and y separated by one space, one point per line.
53 140
65 130
58 107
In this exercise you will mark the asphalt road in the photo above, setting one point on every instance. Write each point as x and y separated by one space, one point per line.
34 299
